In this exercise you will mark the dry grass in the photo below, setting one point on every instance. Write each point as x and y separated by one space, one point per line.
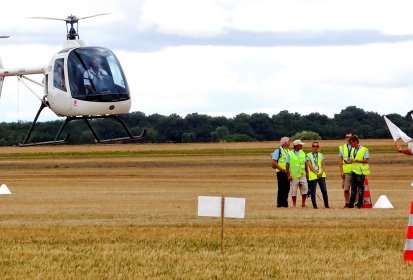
129 212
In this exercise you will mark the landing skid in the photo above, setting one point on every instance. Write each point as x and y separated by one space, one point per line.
129 138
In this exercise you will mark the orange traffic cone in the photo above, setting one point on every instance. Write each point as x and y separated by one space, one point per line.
408 247
366 196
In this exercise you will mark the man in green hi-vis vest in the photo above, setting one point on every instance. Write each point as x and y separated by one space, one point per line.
316 174
279 164
359 159
297 172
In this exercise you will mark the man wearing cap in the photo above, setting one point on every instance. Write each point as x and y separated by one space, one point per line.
359 159
279 164
345 167
297 172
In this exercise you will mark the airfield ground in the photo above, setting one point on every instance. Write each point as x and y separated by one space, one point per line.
130 212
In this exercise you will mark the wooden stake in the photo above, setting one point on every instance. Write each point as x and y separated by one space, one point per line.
222 222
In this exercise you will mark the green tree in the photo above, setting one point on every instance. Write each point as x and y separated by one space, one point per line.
238 137
306 135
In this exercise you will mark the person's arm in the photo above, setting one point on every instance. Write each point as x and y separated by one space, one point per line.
276 157
288 171
310 166
340 163
306 172
275 165
406 151
87 82
321 171
365 158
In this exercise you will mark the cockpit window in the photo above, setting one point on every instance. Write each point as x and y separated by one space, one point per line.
59 74
95 75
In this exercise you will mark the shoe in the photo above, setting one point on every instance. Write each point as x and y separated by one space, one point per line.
315 207
327 207
350 206
346 205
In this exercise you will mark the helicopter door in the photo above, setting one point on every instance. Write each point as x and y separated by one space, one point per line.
60 98
59 80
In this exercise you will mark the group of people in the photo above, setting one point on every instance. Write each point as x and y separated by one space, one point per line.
297 171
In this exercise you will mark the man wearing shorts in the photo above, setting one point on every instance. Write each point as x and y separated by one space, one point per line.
297 172
345 168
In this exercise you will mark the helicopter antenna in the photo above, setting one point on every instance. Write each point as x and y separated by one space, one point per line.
71 24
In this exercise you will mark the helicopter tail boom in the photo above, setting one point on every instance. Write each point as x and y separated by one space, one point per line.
21 71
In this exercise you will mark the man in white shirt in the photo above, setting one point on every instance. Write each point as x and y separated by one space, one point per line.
94 77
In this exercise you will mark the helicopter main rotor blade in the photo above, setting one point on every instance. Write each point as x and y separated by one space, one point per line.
4 36
95 15
47 18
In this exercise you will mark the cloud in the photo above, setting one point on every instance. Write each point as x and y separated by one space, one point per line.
224 57
201 18
230 80
208 17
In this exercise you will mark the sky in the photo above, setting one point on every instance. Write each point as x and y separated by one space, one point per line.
226 57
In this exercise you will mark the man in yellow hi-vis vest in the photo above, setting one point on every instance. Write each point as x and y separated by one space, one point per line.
316 174
279 158
297 172
345 168
359 159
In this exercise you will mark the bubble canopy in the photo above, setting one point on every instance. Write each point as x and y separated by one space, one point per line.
96 75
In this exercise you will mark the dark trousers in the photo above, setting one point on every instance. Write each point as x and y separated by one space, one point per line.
357 186
283 189
312 186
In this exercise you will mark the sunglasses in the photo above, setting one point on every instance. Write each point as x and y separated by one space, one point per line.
348 137
315 146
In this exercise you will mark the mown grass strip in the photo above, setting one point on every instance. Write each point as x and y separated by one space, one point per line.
174 153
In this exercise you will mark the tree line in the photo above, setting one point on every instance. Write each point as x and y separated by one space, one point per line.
203 128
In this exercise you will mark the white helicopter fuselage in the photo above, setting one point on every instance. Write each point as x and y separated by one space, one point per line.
72 99
70 92
79 83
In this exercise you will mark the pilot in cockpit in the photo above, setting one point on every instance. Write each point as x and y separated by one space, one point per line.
95 78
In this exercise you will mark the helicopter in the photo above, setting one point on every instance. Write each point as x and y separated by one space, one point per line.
80 83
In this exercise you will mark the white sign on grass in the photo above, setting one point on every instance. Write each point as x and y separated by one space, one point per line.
4 189
210 206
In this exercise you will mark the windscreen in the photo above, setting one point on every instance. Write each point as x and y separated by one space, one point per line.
96 75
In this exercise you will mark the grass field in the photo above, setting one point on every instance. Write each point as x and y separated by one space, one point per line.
130 212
